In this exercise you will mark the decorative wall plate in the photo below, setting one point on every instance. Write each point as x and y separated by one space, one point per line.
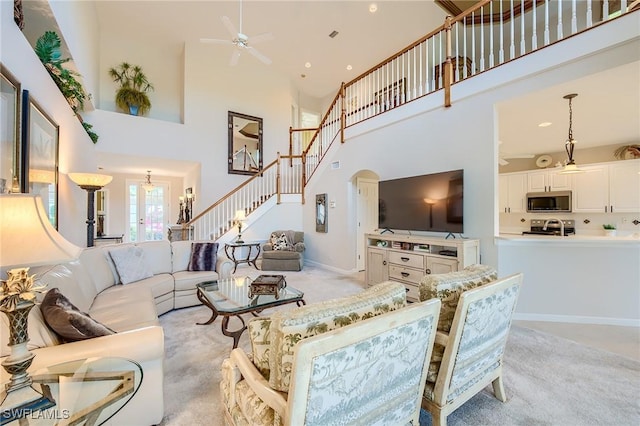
544 161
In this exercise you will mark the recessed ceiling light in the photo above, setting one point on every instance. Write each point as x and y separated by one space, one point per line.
373 8
349 67
545 124
307 64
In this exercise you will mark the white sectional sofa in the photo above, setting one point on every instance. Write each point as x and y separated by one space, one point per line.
92 284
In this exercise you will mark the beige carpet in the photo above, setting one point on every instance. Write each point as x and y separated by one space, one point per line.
549 380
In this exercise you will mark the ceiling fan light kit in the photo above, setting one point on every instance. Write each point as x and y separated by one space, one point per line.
241 41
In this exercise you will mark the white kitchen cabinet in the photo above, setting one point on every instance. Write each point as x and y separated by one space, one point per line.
513 191
608 188
548 180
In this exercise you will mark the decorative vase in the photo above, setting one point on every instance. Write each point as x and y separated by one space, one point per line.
610 232
133 109
20 359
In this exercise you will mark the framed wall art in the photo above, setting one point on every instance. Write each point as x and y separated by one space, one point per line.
42 134
321 212
10 141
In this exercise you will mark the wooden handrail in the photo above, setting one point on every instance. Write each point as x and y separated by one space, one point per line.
324 119
229 194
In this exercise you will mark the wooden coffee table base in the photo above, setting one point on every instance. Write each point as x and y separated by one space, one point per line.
224 326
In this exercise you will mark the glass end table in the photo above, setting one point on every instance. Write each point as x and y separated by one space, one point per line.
88 391
230 297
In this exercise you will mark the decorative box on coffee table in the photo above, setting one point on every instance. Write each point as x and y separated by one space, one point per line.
267 284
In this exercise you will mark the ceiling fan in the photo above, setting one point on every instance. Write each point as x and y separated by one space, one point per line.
241 41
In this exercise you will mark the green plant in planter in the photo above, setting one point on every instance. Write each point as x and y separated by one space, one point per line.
609 227
134 85
47 49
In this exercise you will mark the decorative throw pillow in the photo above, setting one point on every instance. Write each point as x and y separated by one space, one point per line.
67 321
279 242
130 263
203 257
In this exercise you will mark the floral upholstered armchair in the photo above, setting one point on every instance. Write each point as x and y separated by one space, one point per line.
475 318
362 359
284 251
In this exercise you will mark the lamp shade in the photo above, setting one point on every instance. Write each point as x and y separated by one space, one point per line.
27 238
90 179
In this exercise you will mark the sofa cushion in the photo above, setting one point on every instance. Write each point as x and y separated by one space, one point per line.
290 326
203 257
124 308
187 280
158 255
72 280
448 288
98 261
68 321
131 263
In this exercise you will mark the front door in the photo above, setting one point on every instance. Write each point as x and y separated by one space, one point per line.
147 212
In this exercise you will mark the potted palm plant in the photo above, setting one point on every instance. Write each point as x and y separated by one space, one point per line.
134 85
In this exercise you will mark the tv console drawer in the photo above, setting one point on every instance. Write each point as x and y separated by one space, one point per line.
411 260
405 274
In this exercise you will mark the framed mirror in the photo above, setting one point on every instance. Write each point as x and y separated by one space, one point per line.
245 144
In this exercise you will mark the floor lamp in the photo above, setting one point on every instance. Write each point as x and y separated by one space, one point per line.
90 182
28 239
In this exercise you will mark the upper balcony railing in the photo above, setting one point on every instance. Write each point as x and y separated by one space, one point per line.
487 35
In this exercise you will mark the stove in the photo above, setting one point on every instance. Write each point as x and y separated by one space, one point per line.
553 227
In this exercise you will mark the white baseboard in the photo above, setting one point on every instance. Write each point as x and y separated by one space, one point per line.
330 268
626 322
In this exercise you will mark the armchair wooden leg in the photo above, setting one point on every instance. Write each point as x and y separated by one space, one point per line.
498 389
438 419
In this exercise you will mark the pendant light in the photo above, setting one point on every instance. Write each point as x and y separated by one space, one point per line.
147 185
569 145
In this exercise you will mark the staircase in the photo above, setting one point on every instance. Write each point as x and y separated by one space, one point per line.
483 37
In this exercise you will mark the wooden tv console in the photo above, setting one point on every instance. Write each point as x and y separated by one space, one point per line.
407 258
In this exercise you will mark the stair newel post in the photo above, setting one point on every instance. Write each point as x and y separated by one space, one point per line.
448 69
278 177
343 112
291 142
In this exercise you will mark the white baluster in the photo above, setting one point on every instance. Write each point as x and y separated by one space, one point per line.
560 35
534 35
546 22
481 39
501 51
589 14
491 62
464 45
523 47
574 18
512 46
473 39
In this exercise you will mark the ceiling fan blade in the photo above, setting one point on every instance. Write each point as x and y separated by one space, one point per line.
215 41
259 55
230 27
260 38
502 161
234 57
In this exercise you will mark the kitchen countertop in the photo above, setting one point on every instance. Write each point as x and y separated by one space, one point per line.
576 240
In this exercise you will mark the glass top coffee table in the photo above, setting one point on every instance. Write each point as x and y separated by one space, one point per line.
230 297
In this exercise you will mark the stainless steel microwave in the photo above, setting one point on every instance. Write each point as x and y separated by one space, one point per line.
553 201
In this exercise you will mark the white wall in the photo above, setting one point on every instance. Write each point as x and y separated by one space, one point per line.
77 152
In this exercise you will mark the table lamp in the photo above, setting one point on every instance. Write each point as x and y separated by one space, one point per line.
239 218
27 239
90 182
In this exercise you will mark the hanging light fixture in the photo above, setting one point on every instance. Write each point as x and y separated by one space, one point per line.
147 185
569 145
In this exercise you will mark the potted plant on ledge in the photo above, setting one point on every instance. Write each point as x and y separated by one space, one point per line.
134 85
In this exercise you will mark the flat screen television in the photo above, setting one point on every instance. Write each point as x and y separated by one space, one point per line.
432 202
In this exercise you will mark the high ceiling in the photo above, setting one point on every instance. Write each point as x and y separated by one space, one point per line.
301 31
